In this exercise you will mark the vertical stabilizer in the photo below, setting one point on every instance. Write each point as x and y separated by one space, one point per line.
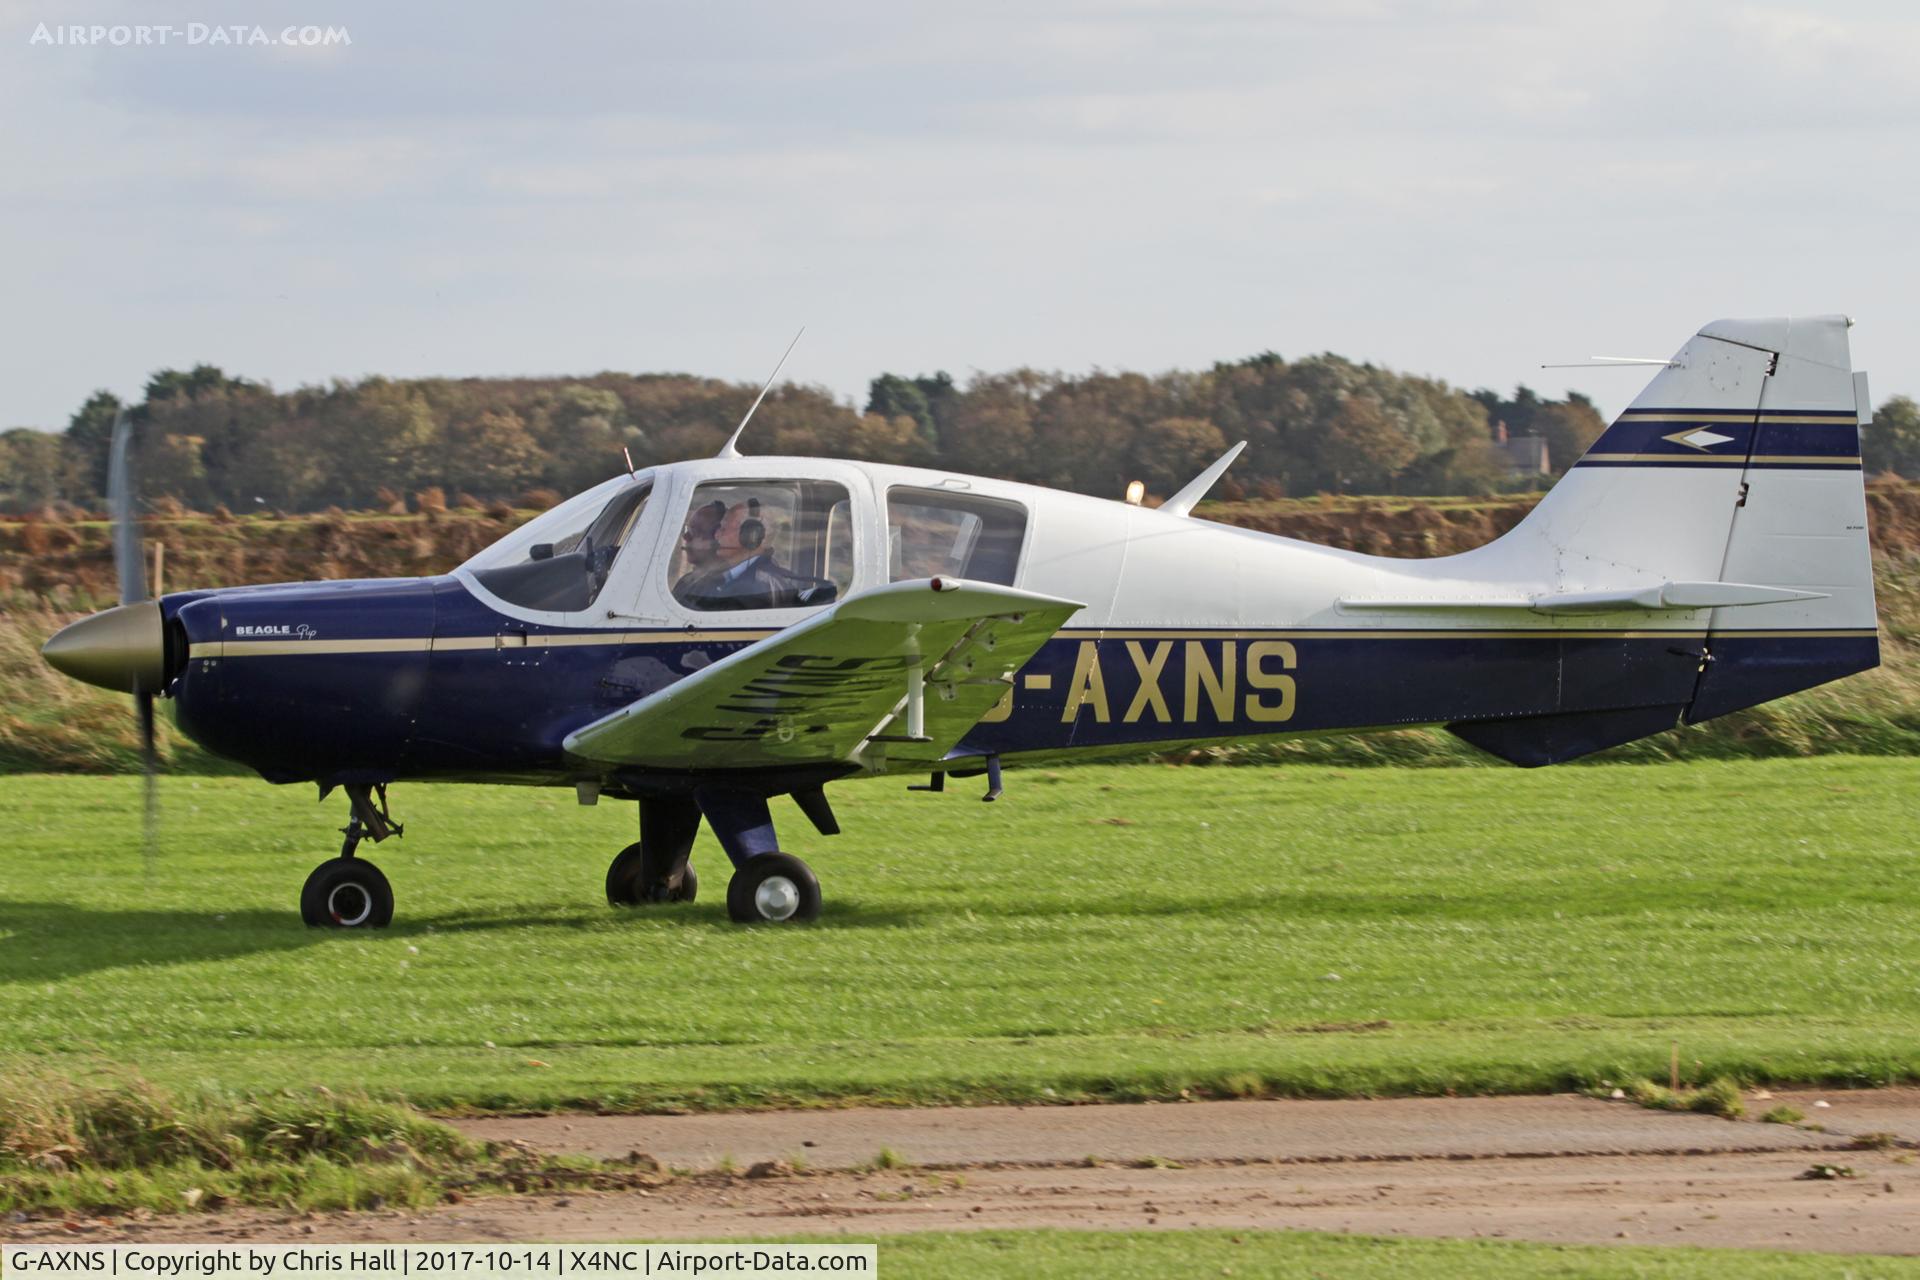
1739 464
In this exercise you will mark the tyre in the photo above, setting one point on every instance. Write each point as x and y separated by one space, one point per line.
773 888
347 893
633 879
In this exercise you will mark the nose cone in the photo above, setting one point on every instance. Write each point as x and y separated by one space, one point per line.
123 648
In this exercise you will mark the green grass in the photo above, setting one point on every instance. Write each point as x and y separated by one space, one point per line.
1252 932
1152 1255
1720 1097
119 1143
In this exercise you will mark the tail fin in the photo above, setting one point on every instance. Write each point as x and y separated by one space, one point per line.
1732 483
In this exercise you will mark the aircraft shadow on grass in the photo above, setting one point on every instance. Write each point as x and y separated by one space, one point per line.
51 941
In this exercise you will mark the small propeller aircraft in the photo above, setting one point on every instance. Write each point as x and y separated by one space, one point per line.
704 636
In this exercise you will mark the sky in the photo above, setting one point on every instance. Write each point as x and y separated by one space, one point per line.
1466 190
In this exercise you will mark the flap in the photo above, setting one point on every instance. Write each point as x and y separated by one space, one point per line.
839 685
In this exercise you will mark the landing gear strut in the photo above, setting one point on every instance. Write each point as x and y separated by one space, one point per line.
348 892
768 886
655 869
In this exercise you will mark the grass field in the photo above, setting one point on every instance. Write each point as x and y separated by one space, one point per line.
1106 932
1125 1255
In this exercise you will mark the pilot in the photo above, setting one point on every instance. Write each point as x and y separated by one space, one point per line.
697 545
743 574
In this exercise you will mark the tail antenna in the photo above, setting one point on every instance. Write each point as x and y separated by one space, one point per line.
731 448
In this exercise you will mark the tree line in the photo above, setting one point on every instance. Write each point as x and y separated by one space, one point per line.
1324 423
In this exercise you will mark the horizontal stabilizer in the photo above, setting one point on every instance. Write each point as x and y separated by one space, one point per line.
1666 597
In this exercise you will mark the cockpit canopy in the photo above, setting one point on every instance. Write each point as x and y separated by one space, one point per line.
558 562
777 536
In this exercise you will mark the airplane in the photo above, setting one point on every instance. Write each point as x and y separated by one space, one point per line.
701 637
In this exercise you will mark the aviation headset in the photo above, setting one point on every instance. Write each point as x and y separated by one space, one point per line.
753 530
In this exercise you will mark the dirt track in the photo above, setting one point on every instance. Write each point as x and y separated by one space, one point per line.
1563 1169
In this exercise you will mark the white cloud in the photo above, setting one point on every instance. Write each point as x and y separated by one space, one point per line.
1464 189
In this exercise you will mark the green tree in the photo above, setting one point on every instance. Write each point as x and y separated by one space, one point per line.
1361 449
991 429
377 434
169 384
1569 427
1087 431
1168 452
89 438
1891 442
33 468
924 399
492 455
1350 427
582 429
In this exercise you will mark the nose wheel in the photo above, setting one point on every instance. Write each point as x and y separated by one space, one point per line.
348 892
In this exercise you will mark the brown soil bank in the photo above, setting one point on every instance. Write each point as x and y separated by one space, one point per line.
69 562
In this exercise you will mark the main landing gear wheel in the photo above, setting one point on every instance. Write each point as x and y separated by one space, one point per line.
773 888
347 893
634 879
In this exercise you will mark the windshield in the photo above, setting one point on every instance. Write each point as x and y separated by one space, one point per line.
558 562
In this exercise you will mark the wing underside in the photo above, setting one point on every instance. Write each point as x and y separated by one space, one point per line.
889 678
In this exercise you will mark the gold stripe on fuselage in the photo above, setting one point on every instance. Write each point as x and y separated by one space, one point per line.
408 644
1765 419
1728 459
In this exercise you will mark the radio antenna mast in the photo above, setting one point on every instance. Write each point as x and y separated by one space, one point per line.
731 448
1614 362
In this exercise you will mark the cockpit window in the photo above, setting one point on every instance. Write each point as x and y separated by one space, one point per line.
764 544
559 562
934 533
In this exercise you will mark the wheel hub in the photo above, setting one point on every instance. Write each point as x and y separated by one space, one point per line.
776 898
349 904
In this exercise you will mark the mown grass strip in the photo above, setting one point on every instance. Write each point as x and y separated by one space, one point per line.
1305 932
1311 1255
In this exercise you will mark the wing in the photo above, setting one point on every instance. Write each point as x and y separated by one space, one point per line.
908 668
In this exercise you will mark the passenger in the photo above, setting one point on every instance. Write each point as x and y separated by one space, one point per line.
697 546
743 573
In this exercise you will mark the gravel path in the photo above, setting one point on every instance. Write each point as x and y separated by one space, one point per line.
1555 1169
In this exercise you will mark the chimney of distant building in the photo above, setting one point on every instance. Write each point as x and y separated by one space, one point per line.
1500 431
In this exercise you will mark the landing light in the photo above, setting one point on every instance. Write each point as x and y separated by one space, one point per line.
1136 493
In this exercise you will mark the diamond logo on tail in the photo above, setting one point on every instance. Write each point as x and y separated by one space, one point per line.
1699 438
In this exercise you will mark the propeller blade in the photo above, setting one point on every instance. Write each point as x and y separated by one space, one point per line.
130 569
128 564
150 773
